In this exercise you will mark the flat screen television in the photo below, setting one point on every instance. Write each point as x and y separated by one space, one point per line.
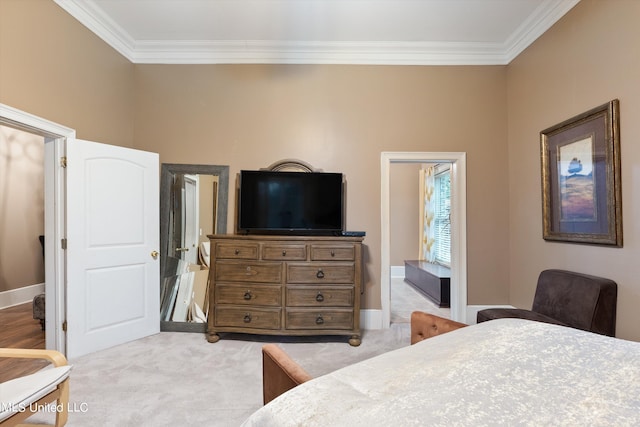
290 203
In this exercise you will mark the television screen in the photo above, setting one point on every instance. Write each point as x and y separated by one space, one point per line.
290 203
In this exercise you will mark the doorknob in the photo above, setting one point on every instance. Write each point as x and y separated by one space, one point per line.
154 254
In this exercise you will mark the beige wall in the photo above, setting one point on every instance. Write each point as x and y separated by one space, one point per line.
55 68
403 212
21 208
339 119
587 59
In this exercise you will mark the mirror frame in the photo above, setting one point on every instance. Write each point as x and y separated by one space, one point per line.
166 180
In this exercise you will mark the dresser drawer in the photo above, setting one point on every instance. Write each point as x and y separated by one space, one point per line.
285 285
261 272
284 252
325 296
249 294
333 252
236 250
319 319
320 273
249 317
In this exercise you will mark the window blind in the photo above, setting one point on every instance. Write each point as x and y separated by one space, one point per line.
443 217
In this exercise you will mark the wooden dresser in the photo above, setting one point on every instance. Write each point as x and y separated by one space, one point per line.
285 285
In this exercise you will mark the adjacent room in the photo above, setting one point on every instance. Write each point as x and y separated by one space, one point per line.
254 213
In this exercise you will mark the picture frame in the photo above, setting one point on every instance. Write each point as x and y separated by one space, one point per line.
581 183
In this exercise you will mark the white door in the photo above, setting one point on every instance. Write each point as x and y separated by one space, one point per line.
112 289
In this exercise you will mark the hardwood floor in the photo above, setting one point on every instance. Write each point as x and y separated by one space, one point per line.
20 330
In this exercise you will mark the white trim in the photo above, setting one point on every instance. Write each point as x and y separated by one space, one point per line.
546 15
20 295
55 136
397 271
314 52
458 227
279 52
92 17
34 124
371 319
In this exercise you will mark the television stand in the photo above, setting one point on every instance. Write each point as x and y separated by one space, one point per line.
285 285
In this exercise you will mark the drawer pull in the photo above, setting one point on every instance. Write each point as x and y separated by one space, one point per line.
319 297
247 318
333 253
237 251
320 274
284 253
247 295
319 320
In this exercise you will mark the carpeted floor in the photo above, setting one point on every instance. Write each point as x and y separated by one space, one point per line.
180 379
406 299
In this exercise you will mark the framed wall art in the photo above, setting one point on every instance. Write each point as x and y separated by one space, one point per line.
581 189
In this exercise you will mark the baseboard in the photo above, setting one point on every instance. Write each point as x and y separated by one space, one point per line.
397 271
472 311
371 319
20 295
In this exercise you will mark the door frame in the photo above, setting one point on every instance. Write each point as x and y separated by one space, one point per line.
55 137
191 216
458 227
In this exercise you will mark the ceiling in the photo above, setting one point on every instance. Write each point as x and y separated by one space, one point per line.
398 32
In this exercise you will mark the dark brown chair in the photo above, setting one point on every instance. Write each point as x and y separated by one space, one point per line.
569 299
425 325
279 372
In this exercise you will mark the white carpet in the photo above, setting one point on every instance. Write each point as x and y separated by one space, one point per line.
180 379
405 299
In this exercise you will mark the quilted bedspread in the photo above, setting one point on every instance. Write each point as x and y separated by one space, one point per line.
502 372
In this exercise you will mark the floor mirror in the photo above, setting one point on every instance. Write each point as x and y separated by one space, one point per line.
193 205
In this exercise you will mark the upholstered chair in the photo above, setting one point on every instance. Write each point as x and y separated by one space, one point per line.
23 396
570 299
425 325
279 372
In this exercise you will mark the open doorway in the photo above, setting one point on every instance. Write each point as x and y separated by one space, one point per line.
103 186
458 227
53 138
22 281
406 236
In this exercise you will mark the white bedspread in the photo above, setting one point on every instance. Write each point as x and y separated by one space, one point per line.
502 372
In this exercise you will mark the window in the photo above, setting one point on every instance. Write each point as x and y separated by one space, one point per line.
442 217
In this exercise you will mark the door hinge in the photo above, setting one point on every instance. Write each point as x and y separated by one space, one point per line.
63 162
63 243
64 326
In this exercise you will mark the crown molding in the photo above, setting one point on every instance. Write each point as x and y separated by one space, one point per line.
295 52
94 18
547 14
361 53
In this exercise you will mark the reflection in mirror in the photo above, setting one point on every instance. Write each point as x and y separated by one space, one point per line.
193 204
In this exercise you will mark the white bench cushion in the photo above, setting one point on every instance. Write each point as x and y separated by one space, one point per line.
16 395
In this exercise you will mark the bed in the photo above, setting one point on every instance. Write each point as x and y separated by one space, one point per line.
502 372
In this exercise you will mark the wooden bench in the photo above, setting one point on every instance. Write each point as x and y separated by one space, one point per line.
431 280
